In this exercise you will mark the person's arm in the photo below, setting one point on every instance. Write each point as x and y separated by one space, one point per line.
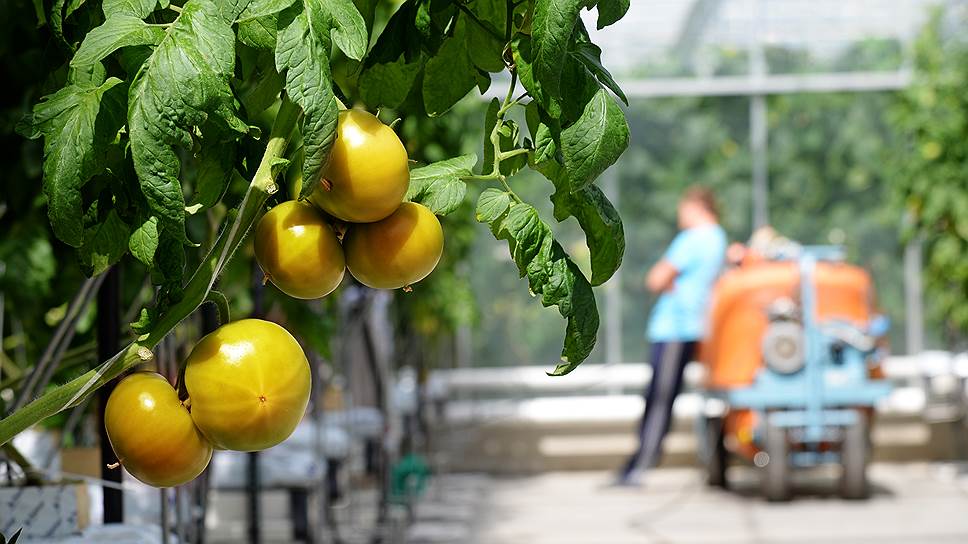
661 277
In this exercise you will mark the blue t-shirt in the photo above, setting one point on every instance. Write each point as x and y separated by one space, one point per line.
680 313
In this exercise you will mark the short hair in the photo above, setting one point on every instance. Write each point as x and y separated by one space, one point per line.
703 196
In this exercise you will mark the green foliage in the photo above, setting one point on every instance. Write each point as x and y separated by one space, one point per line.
931 180
159 109
439 185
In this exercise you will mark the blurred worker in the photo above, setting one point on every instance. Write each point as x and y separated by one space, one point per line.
683 279
765 243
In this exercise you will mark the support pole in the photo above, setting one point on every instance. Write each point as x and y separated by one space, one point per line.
613 292
109 343
253 480
913 300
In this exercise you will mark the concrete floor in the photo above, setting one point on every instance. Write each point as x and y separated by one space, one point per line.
911 503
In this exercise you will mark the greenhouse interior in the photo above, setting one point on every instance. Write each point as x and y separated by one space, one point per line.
484 271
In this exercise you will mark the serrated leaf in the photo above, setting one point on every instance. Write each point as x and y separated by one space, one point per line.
259 32
135 8
595 141
490 119
485 48
302 52
389 84
104 244
551 30
569 103
144 241
260 8
448 75
182 84
401 35
215 169
491 205
349 28
439 185
554 277
610 11
604 233
77 122
591 57
120 30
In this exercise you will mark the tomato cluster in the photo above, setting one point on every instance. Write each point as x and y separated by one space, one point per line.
248 385
248 382
386 243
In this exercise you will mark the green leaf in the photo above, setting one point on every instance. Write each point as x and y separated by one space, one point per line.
389 84
77 122
604 233
610 11
57 23
439 185
216 157
491 205
490 119
591 57
135 8
117 31
595 141
183 84
551 30
259 32
145 322
486 50
302 51
349 29
448 76
144 241
73 6
570 102
257 9
104 244
552 275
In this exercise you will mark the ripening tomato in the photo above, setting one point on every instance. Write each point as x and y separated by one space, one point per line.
152 432
298 250
248 382
397 251
368 175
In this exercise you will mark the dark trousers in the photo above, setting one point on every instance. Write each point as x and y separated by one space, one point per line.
668 361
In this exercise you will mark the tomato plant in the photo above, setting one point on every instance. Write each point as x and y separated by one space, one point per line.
165 105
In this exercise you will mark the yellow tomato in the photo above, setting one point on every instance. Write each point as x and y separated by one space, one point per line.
152 433
368 175
298 250
249 383
397 251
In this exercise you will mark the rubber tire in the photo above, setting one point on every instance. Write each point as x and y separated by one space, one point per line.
776 473
853 459
716 457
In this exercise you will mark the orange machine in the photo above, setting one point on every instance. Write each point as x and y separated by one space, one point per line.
791 361
741 301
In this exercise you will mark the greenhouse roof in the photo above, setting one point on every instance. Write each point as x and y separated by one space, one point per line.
702 38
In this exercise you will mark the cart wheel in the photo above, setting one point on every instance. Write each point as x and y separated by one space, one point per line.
853 458
716 456
776 474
